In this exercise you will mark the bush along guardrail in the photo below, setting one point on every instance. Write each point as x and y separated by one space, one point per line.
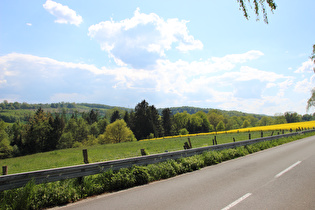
58 193
51 175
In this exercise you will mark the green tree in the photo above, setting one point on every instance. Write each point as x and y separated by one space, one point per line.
117 132
127 118
37 132
101 125
78 128
307 117
220 126
280 119
146 120
246 124
91 117
57 124
94 129
115 116
205 126
180 121
194 124
17 136
167 121
214 117
66 141
292 117
5 148
265 121
155 122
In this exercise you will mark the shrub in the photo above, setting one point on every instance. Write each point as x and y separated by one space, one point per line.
162 170
183 131
141 175
105 180
123 179
192 163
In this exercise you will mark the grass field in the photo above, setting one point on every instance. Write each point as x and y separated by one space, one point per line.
97 153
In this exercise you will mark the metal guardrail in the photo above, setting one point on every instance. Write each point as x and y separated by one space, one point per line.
12 181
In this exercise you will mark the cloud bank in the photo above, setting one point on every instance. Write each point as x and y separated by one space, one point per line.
215 82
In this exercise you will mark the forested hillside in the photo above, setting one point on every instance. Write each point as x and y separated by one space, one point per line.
31 128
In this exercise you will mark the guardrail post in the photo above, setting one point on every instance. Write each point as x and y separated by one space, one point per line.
143 153
85 156
249 136
189 143
4 170
261 134
233 139
215 140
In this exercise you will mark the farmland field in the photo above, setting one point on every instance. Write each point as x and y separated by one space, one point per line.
97 153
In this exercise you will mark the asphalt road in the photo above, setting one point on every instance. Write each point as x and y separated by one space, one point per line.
282 177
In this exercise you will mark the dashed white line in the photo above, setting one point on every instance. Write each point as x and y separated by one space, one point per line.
287 169
237 201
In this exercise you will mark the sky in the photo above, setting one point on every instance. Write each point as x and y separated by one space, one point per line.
170 53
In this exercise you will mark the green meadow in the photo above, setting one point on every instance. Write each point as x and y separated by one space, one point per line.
98 153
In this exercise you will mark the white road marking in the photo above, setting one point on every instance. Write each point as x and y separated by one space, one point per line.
237 201
287 169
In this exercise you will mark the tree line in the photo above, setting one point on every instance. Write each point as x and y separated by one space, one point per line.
45 131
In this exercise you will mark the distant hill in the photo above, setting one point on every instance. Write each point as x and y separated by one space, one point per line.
11 112
193 110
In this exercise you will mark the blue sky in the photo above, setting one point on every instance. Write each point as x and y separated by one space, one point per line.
170 53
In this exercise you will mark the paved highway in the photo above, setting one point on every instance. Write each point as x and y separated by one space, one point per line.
278 178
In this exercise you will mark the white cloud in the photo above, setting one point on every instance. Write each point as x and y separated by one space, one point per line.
239 58
143 39
63 13
305 85
29 24
306 67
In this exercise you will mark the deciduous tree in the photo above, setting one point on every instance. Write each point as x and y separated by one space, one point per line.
117 132
5 148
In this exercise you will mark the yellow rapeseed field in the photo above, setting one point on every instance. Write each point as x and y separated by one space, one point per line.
286 126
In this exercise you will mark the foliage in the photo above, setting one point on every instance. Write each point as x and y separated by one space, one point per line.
292 117
167 123
183 131
258 5
5 148
245 124
117 132
146 120
115 116
220 126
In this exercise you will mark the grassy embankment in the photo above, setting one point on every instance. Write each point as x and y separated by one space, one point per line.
62 192
68 157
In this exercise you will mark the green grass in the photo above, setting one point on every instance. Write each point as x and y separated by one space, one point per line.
98 153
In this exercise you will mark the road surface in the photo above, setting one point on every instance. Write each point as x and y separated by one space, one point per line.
282 177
